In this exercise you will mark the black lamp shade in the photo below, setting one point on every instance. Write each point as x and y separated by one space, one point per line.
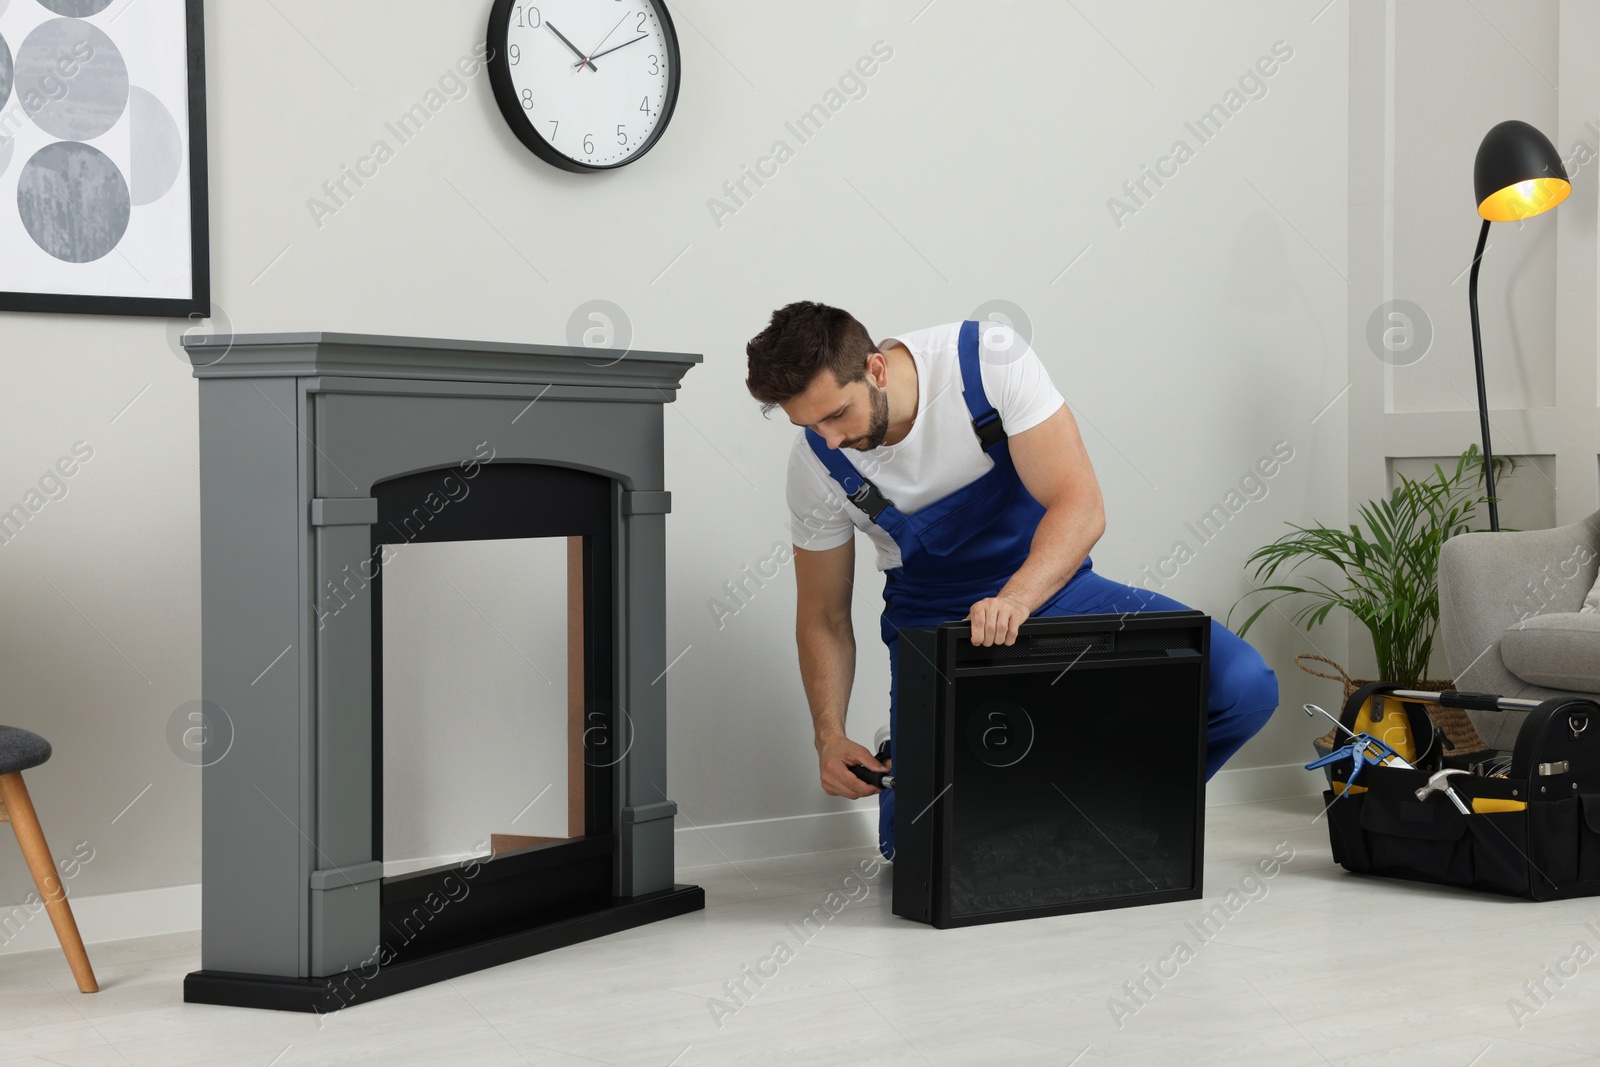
1518 173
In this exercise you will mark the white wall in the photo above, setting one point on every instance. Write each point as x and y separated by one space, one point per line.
978 165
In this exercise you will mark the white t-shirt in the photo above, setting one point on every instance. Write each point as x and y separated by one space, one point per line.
939 454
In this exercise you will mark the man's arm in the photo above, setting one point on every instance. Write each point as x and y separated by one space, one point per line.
1054 466
827 643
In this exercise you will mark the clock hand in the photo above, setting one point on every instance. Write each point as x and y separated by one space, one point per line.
624 44
570 45
603 40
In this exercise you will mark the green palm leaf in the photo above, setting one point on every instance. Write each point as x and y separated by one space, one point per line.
1390 574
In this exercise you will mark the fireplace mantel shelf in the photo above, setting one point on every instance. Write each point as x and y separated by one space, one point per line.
359 355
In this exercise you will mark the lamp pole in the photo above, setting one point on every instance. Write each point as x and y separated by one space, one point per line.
1517 174
1483 399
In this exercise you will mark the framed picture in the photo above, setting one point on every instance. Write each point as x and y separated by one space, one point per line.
103 157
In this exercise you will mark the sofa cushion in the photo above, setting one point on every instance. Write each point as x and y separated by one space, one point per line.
1592 601
1560 650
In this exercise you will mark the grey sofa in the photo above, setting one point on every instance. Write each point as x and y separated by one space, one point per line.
1510 620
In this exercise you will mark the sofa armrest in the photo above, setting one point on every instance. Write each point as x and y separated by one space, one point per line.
1491 581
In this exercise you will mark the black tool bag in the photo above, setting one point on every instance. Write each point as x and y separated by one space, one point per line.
1534 832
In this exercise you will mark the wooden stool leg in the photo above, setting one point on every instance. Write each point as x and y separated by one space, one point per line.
25 821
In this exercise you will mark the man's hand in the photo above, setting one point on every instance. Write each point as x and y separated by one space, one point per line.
995 620
836 757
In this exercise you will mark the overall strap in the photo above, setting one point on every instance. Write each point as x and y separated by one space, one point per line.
857 487
985 419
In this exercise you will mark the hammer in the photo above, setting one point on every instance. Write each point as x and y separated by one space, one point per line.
1440 783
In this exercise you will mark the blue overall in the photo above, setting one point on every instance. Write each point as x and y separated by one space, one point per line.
964 547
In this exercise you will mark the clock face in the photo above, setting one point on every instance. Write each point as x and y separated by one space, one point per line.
585 84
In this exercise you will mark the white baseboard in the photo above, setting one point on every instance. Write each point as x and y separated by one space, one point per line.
108 917
1246 785
760 839
176 909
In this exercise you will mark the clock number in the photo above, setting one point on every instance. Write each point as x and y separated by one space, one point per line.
588 144
532 22
527 99
622 138
554 126
644 105
640 28
655 65
516 55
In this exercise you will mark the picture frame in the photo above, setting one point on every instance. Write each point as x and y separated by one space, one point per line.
103 176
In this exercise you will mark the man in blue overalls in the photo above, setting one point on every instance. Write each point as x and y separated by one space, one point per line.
975 487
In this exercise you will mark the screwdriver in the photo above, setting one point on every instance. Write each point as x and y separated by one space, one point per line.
881 779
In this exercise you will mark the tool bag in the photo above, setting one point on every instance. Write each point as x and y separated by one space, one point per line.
1533 832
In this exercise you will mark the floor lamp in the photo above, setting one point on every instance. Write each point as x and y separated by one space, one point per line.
1517 175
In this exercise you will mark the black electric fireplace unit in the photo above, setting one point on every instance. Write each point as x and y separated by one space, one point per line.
1063 773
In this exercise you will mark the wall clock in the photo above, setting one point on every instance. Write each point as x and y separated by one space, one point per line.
586 85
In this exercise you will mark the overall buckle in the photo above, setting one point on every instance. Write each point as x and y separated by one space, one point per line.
990 430
870 500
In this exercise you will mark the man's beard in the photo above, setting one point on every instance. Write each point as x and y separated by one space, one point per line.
878 426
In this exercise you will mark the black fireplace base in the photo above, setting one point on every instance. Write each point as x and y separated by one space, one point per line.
323 995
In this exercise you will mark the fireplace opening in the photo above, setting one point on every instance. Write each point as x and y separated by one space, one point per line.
480 724
495 735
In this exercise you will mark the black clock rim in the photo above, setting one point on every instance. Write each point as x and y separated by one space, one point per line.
505 93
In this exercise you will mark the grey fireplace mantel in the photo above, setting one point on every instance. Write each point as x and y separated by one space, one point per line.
299 433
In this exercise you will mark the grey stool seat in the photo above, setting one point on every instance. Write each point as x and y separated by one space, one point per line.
21 749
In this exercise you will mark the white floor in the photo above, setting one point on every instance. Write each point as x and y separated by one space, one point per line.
1314 966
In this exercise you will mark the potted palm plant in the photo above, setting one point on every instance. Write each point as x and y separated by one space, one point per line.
1388 577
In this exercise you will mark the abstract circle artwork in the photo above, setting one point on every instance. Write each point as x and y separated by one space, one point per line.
7 69
85 104
78 9
73 201
102 193
157 148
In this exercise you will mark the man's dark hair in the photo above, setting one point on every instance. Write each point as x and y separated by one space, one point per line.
802 339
